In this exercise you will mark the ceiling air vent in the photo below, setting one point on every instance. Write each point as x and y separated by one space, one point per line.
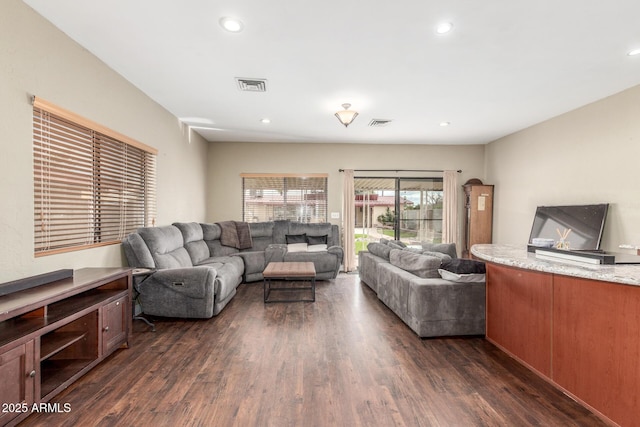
252 85
378 123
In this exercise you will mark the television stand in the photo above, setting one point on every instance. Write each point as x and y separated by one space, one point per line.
52 334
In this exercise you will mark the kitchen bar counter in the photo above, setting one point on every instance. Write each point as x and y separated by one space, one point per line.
577 326
517 256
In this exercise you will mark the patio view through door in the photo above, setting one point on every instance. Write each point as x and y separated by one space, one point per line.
405 209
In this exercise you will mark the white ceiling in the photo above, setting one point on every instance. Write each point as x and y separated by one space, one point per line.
507 64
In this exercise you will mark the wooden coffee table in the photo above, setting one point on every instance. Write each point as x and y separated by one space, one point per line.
291 271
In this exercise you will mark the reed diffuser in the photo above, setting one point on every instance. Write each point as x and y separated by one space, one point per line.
563 243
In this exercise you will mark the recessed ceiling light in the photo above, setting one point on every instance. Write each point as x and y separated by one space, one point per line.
265 121
634 52
232 25
444 27
445 124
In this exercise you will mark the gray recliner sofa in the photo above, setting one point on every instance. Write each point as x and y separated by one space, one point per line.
409 282
193 275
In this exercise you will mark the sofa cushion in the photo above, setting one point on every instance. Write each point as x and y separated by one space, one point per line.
394 245
193 243
379 249
442 256
445 248
191 231
261 235
322 229
280 230
297 247
211 231
393 242
137 252
166 245
423 266
317 240
323 261
296 238
462 278
464 266
261 229
211 234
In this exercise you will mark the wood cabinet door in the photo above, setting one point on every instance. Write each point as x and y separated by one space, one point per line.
596 345
114 324
519 309
17 388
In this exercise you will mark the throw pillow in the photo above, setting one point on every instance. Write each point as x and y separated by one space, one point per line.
317 240
445 248
462 278
296 238
316 248
423 266
464 266
379 249
297 247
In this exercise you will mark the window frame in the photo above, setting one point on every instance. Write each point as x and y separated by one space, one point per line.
92 185
320 207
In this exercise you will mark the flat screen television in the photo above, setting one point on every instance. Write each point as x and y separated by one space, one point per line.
586 223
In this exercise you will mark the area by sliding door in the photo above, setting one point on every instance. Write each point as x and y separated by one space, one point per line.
420 218
405 209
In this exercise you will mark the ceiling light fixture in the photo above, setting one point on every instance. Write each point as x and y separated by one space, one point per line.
347 116
444 27
231 24
265 121
634 52
445 124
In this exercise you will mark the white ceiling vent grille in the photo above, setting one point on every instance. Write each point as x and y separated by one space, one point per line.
378 123
252 85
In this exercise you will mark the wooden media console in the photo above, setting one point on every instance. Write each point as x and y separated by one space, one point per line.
52 334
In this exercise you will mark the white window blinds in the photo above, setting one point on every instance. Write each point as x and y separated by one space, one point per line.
92 186
269 197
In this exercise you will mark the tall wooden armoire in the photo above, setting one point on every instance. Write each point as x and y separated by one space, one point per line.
478 219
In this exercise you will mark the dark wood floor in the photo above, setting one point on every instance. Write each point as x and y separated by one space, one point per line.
345 360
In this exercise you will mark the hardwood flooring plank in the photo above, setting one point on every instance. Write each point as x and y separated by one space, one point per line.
344 360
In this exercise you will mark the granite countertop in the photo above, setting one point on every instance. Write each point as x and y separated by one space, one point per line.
517 256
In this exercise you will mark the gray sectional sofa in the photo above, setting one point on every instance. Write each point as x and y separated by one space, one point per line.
409 281
194 273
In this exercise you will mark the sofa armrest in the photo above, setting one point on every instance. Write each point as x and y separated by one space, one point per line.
338 251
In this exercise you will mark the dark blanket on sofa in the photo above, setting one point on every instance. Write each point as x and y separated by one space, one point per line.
235 234
244 235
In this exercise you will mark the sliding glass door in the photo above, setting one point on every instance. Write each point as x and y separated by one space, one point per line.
405 209
420 218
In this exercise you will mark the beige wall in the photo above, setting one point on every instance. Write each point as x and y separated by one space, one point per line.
589 155
37 59
586 156
228 160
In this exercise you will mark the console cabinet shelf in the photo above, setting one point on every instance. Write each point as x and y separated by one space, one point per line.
53 334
